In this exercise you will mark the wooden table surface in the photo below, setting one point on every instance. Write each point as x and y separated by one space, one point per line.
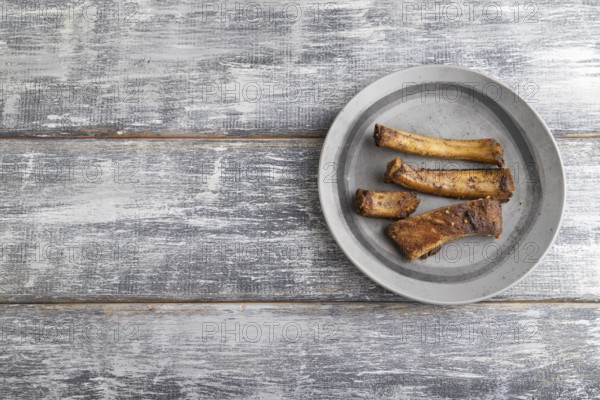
160 224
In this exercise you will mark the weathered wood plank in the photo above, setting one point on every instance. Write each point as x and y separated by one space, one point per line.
285 351
173 68
211 220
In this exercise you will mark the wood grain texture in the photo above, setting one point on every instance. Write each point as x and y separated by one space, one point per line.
206 220
182 68
291 351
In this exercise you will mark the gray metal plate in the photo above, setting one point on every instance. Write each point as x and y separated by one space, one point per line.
455 103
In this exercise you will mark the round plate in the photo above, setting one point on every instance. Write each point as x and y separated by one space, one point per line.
454 103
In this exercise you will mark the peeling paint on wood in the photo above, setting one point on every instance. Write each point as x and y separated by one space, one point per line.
291 351
218 220
244 68
239 220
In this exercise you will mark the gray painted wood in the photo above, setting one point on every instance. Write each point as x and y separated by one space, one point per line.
152 67
205 220
178 220
297 351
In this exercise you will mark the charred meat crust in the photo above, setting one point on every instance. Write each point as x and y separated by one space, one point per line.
487 151
457 183
381 204
424 235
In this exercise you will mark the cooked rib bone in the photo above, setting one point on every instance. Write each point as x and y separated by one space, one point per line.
423 235
376 204
487 151
458 183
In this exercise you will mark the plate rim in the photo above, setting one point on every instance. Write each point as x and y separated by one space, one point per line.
366 271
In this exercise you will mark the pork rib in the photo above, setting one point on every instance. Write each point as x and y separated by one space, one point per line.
379 204
423 235
487 151
457 183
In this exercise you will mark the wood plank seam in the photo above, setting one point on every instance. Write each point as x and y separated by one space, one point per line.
221 137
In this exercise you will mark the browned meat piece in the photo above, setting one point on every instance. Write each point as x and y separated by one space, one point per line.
376 204
487 151
457 183
423 235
